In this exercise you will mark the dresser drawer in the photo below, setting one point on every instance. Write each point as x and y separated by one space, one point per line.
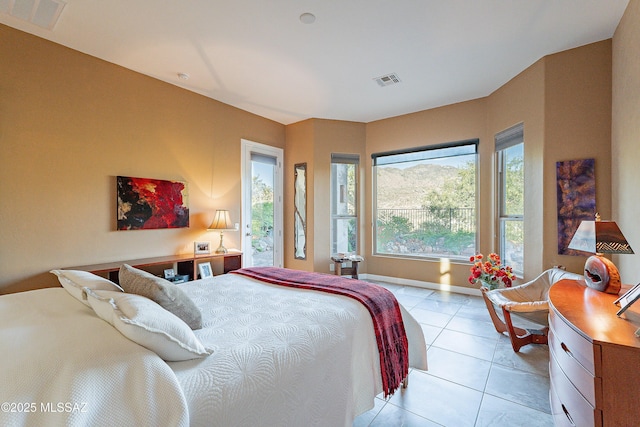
568 406
574 344
560 417
590 387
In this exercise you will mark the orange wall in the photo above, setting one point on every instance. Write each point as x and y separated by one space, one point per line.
625 138
70 123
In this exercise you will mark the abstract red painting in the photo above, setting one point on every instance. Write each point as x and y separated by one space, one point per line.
145 203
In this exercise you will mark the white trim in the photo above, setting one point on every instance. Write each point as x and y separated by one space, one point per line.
424 285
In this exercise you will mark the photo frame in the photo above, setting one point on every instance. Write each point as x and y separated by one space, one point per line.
627 299
205 270
201 248
169 273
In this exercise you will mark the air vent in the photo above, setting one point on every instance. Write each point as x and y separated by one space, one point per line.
43 13
387 80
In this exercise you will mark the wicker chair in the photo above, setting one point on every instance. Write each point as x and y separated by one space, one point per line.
528 304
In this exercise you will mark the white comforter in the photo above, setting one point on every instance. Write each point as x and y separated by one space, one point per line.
62 365
283 356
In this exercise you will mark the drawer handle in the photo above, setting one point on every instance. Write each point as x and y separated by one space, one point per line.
566 349
566 413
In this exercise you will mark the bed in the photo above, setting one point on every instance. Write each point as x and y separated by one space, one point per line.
266 355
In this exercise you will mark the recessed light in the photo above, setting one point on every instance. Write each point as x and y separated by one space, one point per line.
307 18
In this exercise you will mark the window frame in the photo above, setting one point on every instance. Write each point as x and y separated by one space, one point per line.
504 140
352 159
414 154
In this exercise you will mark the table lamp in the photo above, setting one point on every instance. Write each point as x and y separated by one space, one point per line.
221 222
600 237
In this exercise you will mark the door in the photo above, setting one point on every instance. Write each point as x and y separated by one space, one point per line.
262 187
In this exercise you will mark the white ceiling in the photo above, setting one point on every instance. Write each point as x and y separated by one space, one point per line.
258 56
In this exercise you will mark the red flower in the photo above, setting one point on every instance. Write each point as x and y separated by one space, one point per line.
490 273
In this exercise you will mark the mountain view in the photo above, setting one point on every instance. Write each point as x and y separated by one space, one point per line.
408 188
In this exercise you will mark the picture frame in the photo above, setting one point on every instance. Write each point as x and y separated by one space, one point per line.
201 248
627 299
148 203
205 270
169 273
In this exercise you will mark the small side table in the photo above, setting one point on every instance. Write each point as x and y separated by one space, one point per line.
343 271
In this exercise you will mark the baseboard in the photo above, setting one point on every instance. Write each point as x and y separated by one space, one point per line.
422 284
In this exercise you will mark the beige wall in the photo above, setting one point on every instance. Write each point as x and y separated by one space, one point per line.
625 138
299 149
456 122
564 102
312 142
521 100
577 126
70 123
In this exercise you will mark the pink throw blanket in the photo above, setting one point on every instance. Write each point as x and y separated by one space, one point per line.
382 305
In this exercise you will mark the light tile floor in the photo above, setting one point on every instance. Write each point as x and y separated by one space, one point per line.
474 377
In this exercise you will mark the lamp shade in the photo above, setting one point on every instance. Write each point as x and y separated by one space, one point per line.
221 221
601 237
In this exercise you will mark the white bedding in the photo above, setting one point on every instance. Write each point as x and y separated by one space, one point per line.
63 366
281 356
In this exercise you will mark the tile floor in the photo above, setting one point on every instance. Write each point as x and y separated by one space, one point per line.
474 378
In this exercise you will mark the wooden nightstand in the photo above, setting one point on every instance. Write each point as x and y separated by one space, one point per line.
184 264
594 363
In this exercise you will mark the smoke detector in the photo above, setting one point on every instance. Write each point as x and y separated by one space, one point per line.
43 13
387 80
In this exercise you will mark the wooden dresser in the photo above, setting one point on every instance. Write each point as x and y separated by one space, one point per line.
594 363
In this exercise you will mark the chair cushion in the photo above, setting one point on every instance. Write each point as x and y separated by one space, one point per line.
531 296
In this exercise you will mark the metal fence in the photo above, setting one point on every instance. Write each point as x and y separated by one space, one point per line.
453 219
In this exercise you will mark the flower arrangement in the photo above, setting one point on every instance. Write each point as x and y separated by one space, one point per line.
490 273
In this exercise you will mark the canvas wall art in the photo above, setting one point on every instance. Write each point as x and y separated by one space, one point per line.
145 203
576 185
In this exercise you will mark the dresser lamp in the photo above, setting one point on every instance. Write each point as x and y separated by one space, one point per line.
600 237
221 222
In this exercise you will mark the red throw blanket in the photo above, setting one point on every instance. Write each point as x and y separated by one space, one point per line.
382 305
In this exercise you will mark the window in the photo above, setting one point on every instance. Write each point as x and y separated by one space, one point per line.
344 203
510 162
425 201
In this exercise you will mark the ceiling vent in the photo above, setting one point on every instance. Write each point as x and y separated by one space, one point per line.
387 80
43 13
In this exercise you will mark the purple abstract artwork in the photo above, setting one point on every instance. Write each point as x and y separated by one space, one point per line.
576 184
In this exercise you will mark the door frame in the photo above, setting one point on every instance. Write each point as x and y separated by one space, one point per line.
249 147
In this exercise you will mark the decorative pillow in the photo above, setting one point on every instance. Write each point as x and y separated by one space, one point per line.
146 323
75 280
162 291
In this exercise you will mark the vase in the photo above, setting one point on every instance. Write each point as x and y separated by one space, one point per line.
488 285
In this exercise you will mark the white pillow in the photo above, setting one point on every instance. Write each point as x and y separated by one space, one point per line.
75 280
148 324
